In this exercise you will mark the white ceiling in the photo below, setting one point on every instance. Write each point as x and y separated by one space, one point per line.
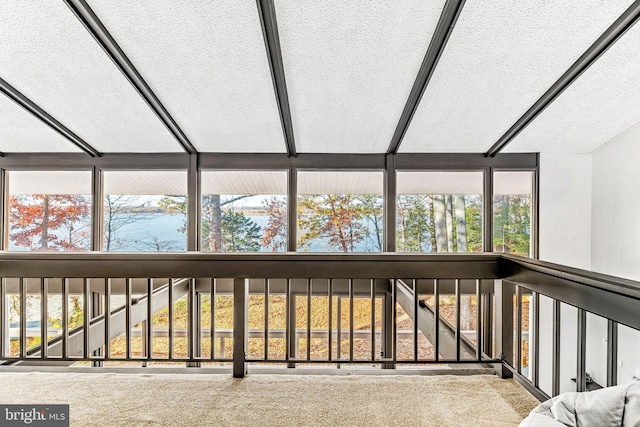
244 182
461 183
603 103
349 68
516 183
47 54
340 182
501 57
39 138
145 182
49 182
207 63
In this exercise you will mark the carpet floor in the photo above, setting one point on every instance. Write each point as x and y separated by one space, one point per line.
122 399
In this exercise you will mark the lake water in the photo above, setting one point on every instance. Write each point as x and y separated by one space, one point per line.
160 232
163 230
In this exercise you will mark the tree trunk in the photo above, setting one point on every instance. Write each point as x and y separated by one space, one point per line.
432 223
449 216
44 230
215 221
440 223
466 306
461 223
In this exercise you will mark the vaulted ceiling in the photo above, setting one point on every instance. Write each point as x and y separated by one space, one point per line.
308 76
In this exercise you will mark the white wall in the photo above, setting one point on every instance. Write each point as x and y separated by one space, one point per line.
616 227
565 238
565 209
616 207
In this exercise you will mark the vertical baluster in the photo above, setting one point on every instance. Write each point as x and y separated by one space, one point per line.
240 326
149 328
86 314
534 358
191 318
266 318
212 285
44 318
4 326
107 318
415 320
351 322
457 301
198 332
170 332
23 318
478 323
612 353
339 329
128 318
488 323
65 318
394 323
309 293
581 378
373 319
518 364
555 364
436 307
330 320
287 327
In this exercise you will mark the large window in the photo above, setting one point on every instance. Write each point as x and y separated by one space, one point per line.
145 211
49 210
244 211
439 211
512 212
340 211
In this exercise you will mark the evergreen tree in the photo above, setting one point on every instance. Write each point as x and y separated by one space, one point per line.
239 233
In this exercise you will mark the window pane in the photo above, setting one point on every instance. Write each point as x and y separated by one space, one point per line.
145 211
512 212
244 211
49 211
340 211
439 212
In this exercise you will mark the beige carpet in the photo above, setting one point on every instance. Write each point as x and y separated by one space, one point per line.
115 399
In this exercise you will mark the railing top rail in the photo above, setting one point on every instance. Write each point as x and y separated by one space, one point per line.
607 296
618 285
260 265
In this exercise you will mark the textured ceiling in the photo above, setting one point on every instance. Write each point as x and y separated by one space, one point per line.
601 104
439 182
49 182
206 62
20 131
47 54
244 182
501 57
340 182
145 182
350 66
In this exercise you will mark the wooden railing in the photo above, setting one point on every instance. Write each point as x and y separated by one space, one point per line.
386 310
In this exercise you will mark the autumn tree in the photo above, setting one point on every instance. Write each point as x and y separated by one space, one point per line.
49 222
336 218
274 234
